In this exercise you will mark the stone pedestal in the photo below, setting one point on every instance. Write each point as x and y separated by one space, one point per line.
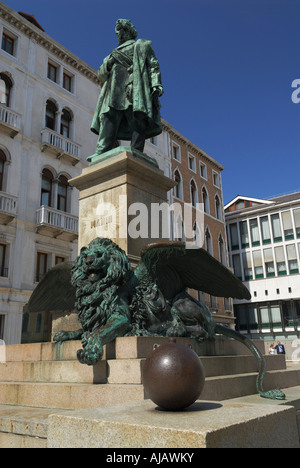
119 197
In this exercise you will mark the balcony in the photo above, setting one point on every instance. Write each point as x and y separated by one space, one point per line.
62 147
58 224
10 121
8 208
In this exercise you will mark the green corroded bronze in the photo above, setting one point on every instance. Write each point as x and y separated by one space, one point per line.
114 300
128 107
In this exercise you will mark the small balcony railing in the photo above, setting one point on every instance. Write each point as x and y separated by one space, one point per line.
63 147
10 120
8 207
57 223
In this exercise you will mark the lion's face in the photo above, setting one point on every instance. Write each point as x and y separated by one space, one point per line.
95 264
101 263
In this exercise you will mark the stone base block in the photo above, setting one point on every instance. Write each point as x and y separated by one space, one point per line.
203 425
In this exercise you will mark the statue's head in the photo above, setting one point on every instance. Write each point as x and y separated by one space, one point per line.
125 30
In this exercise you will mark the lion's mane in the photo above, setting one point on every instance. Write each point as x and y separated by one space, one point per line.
95 299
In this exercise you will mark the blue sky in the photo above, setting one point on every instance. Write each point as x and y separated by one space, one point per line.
227 69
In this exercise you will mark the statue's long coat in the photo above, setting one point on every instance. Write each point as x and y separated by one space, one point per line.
130 83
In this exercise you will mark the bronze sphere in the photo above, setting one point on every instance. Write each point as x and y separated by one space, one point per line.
173 376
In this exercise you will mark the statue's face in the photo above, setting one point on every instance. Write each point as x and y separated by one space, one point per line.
122 34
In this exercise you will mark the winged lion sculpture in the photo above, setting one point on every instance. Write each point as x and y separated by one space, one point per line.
112 299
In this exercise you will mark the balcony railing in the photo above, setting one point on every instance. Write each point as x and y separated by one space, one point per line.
57 223
8 207
63 147
10 120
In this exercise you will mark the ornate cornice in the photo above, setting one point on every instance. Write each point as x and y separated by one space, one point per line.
31 31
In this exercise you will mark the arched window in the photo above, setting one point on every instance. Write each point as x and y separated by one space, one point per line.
65 125
194 193
222 250
205 200
5 89
218 207
47 181
178 186
50 118
62 193
2 164
208 242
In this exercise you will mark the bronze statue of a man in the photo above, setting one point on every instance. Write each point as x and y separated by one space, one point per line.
128 107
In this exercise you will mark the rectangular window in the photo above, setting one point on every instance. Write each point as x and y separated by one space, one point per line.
258 265
176 152
276 317
59 260
234 236
276 228
253 317
280 261
292 259
52 72
216 179
192 163
247 263
203 170
236 263
269 263
2 321
41 267
254 232
265 230
287 225
265 320
67 82
244 234
8 44
3 258
297 222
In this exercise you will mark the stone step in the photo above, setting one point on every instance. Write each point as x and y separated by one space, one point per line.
53 371
134 347
25 427
204 425
76 396
129 371
121 371
67 395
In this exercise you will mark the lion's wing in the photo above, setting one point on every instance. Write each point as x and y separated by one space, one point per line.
176 268
54 291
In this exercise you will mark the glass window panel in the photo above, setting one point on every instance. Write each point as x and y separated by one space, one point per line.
234 236
265 230
292 259
297 221
244 234
269 262
276 317
265 321
242 317
287 225
276 228
247 263
280 261
258 265
254 232
253 317
236 263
